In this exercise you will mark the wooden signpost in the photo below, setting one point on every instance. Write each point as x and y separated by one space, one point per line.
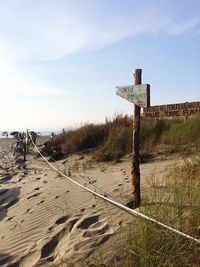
139 94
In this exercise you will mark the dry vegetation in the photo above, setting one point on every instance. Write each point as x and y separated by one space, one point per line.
175 201
113 139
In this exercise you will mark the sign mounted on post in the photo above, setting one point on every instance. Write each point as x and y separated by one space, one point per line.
137 94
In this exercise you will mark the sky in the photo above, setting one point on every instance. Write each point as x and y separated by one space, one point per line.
60 60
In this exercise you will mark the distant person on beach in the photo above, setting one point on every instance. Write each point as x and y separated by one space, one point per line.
15 134
34 136
52 135
20 136
4 134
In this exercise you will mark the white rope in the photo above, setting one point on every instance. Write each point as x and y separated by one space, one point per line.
117 204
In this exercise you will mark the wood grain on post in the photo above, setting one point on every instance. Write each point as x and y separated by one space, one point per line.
136 144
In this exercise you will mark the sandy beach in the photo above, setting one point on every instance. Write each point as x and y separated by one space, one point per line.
46 220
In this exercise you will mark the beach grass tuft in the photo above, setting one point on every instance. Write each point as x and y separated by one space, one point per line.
175 203
113 139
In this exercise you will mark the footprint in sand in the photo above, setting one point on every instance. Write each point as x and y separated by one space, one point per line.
34 195
37 188
28 211
10 218
49 247
92 181
62 220
100 230
42 201
50 228
94 232
82 234
69 223
84 224
82 210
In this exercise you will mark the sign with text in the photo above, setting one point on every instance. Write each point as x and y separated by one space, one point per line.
172 110
136 94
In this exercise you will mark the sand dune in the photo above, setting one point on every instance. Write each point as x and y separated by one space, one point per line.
45 220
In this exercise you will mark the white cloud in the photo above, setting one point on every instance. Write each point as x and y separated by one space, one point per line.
21 87
49 31
183 26
46 30
17 82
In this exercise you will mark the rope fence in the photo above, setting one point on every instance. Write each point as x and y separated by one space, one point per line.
114 202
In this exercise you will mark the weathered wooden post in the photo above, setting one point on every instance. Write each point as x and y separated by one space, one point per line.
24 149
26 140
135 171
139 95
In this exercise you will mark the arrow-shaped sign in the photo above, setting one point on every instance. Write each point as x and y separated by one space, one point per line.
136 94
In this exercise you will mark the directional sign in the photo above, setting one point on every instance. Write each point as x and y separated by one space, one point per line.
136 94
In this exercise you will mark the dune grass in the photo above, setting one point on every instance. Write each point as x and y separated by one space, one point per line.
175 135
86 137
117 141
176 202
113 139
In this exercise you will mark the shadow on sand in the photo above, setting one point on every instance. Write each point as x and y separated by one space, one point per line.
8 198
5 259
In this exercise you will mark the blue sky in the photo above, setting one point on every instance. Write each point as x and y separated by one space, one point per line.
61 60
